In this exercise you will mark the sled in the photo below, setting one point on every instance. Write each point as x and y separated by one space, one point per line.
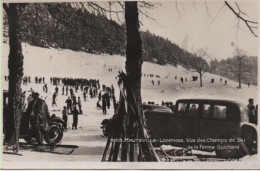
178 155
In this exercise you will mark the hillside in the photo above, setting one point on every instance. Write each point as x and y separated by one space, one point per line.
43 26
67 63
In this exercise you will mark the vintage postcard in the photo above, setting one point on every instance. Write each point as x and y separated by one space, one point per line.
129 84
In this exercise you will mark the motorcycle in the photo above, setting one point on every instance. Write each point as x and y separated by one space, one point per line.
53 135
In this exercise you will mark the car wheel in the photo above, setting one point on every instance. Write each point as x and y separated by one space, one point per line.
54 134
228 153
250 137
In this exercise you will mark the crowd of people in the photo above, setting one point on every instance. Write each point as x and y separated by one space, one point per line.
77 88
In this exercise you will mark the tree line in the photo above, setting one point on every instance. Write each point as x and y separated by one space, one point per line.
240 67
62 26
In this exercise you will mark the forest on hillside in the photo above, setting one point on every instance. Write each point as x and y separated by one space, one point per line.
63 26
71 28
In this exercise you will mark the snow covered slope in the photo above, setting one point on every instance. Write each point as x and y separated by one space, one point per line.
67 63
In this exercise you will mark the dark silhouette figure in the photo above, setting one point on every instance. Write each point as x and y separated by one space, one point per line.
65 117
75 113
252 111
69 105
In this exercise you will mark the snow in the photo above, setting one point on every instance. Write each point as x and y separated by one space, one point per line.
50 62
67 63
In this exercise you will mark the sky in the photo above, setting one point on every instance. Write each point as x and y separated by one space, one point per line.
209 26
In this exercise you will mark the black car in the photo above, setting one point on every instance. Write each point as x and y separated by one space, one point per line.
105 124
205 124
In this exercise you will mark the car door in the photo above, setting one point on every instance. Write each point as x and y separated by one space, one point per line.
215 124
192 120
188 124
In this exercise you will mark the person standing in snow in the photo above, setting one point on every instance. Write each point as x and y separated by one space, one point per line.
57 90
80 105
102 96
85 96
65 117
54 99
67 89
181 80
75 113
69 104
74 100
252 111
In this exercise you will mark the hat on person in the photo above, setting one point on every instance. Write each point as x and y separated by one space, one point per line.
35 95
250 100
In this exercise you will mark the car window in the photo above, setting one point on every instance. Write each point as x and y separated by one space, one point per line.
193 110
219 112
182 108
206 111
233 113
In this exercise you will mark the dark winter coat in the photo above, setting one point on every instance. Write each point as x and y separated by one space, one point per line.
38 111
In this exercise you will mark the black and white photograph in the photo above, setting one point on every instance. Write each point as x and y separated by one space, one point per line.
103 84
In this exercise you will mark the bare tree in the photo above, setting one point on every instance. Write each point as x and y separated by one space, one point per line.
242 16
238 65
199 64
